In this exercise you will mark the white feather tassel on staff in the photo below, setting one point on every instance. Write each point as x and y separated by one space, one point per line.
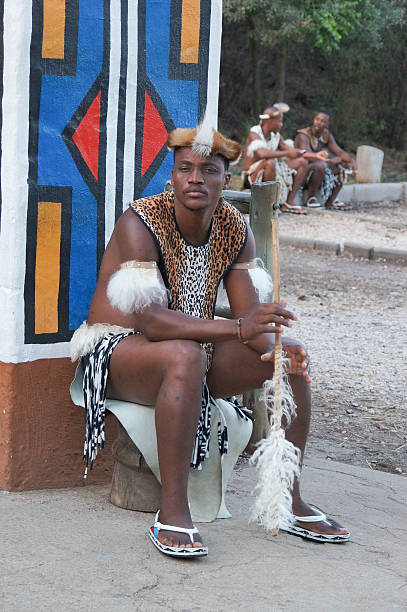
277 460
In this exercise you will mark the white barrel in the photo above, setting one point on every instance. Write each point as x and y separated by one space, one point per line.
369 162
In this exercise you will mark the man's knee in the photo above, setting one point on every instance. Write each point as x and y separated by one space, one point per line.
270 165
186 357
318 167
302 163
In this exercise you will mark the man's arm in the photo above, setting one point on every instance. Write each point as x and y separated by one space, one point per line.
265 153
256 317
340 154
244 303
268 154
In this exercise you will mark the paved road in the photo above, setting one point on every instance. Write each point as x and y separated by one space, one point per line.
70 550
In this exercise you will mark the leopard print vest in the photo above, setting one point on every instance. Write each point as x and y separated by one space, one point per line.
192 273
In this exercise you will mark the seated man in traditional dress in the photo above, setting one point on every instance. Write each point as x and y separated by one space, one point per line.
329 174
268 158
161 346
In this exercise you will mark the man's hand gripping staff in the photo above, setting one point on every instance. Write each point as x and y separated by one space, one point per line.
260 317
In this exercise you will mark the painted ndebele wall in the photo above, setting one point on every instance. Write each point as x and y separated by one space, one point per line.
89 93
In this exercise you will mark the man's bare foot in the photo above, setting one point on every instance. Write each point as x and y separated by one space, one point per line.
176 541
325 526
175 538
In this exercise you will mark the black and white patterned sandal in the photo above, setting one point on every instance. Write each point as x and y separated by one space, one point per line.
291 208
337 205
312 202
307 534
175 551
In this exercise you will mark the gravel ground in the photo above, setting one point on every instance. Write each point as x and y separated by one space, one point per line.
381 224
353 319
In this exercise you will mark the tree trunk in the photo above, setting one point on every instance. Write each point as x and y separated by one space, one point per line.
281 60
256 97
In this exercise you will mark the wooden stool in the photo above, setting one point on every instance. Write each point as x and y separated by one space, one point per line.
134 485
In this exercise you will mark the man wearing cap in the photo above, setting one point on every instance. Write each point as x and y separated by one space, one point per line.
327 174
151 337
268 158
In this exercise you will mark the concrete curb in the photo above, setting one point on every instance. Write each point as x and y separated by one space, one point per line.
373 192
369 192
345 248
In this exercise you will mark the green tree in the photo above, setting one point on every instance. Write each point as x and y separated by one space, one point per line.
374 62
320 24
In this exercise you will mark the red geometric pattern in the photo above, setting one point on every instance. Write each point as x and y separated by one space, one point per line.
154 134
86 136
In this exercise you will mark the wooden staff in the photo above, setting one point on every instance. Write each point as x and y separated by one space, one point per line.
278 347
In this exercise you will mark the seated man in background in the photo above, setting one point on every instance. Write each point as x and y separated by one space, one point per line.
327 175
268 158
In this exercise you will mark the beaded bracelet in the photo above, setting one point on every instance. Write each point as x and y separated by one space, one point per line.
239 331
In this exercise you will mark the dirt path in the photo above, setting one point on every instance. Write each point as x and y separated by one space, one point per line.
381 224
353 319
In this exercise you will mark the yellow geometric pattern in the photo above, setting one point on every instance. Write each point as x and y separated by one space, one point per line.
47 267
190 22
53 33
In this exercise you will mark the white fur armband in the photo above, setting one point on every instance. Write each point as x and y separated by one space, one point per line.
261 279
137 285
254 145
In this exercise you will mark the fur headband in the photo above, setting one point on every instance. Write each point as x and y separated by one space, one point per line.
205 141
280 108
